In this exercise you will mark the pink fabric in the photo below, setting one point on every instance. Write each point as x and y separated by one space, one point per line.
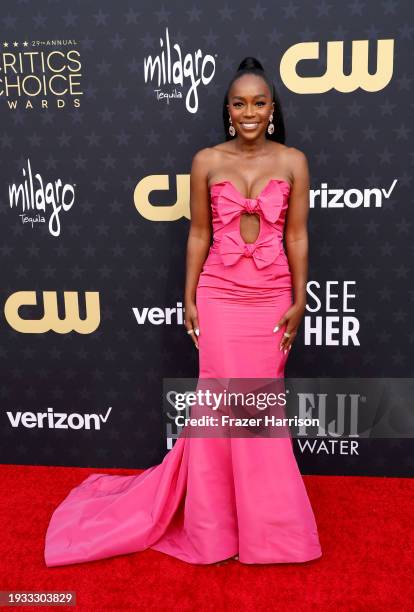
264 250
211 498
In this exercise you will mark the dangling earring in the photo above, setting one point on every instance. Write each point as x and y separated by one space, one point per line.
232 131
270 127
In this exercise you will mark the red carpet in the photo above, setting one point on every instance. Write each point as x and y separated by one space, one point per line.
365 527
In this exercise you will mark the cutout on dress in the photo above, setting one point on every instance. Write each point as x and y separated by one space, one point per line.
249 227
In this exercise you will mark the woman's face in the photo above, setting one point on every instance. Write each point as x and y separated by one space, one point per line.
250 106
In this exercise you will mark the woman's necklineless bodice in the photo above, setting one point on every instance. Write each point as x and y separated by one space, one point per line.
228 205
245 197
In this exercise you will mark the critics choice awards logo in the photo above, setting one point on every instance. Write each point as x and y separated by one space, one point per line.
34 74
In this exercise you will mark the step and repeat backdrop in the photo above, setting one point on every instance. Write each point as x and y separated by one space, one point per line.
103 106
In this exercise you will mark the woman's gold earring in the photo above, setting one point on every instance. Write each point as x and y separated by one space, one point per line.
270 127
232 131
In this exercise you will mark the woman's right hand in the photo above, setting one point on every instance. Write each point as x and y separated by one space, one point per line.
191 321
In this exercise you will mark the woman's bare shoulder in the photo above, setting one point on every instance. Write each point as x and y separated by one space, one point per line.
213 151
208 157
297 163
295 156
289 153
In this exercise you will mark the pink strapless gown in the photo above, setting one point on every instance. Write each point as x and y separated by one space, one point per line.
211 498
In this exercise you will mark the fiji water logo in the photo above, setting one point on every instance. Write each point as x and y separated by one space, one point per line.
171 67
39 200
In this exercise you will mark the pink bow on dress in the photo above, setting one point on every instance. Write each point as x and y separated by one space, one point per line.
268 203
264 251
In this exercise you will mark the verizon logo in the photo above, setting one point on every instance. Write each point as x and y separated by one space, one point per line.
57 420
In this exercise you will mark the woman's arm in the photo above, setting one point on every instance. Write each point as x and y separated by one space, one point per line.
199 236
296 228
296 240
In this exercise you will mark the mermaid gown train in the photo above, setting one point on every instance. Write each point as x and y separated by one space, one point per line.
211 498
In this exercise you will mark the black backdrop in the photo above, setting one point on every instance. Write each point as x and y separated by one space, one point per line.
121 146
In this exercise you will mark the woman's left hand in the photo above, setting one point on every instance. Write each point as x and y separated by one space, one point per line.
292 318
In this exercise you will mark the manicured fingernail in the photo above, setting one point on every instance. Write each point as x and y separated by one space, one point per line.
286 351
276 328
197 331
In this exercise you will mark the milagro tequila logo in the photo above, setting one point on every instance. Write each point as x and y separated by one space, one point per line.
35 198
168 70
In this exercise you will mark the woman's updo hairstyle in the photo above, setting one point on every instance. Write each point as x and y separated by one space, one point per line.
250 65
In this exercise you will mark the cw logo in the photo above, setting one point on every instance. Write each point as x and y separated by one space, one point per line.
50 320
334 77
156 212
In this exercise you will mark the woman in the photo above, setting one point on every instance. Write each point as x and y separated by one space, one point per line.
227 497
